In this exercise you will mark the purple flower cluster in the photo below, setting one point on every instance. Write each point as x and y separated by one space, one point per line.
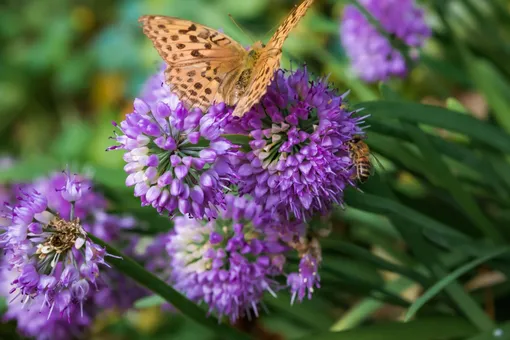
238 214
229 262
299 162
173 162
39 322
51 252
54 277
372 56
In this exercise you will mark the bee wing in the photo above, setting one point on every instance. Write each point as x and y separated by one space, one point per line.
378 163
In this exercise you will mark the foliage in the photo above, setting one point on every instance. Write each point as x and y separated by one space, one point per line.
432 219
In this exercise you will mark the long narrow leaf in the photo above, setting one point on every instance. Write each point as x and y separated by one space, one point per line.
436 288
363 254
362 310
132 269
440 117
385 205
501 332
436 165
423 329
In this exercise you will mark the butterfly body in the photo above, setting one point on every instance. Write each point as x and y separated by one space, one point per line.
205 66
233 92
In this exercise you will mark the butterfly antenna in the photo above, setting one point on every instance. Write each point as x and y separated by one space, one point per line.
271 30
240 28
279 23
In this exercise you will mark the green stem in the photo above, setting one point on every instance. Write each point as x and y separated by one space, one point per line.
130 268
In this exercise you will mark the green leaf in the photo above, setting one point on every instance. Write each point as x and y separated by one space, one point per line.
243 9
365 255
30 168
352 269
72 142
149 301
130 268
500 332
385 205
114 178
427 255
422 329
446 69
440 117
309 312
454 105
436 166
388 93
436 288
362 310
492 170
241 140
494 88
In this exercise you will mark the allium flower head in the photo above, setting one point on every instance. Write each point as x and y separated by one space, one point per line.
299 161
372 55
176 160
228 263
38 322
46 245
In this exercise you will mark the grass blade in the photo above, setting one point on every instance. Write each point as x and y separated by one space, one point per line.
132 269
436 288
423 329
435 165
366 307
385 205
440 117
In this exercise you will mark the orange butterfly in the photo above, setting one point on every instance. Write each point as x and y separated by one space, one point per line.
206 66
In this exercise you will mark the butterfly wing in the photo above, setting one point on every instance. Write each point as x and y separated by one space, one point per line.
269 60
200 59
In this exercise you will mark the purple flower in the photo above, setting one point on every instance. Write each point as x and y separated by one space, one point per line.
39 322
54 188
156 257
61 301
47 247
109 227
230 262
299 161
306 279
372 56
175 159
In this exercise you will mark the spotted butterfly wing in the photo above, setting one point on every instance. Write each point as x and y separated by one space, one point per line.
201 62
269 60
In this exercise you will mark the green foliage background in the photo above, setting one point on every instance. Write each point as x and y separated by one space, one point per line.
434 220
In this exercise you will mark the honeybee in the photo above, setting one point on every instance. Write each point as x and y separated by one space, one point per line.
360 155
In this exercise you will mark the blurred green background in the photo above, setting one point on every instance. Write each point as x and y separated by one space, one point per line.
442 201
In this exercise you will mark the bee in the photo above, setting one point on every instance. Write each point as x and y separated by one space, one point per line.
360 155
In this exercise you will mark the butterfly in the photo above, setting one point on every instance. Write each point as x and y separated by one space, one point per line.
205 66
